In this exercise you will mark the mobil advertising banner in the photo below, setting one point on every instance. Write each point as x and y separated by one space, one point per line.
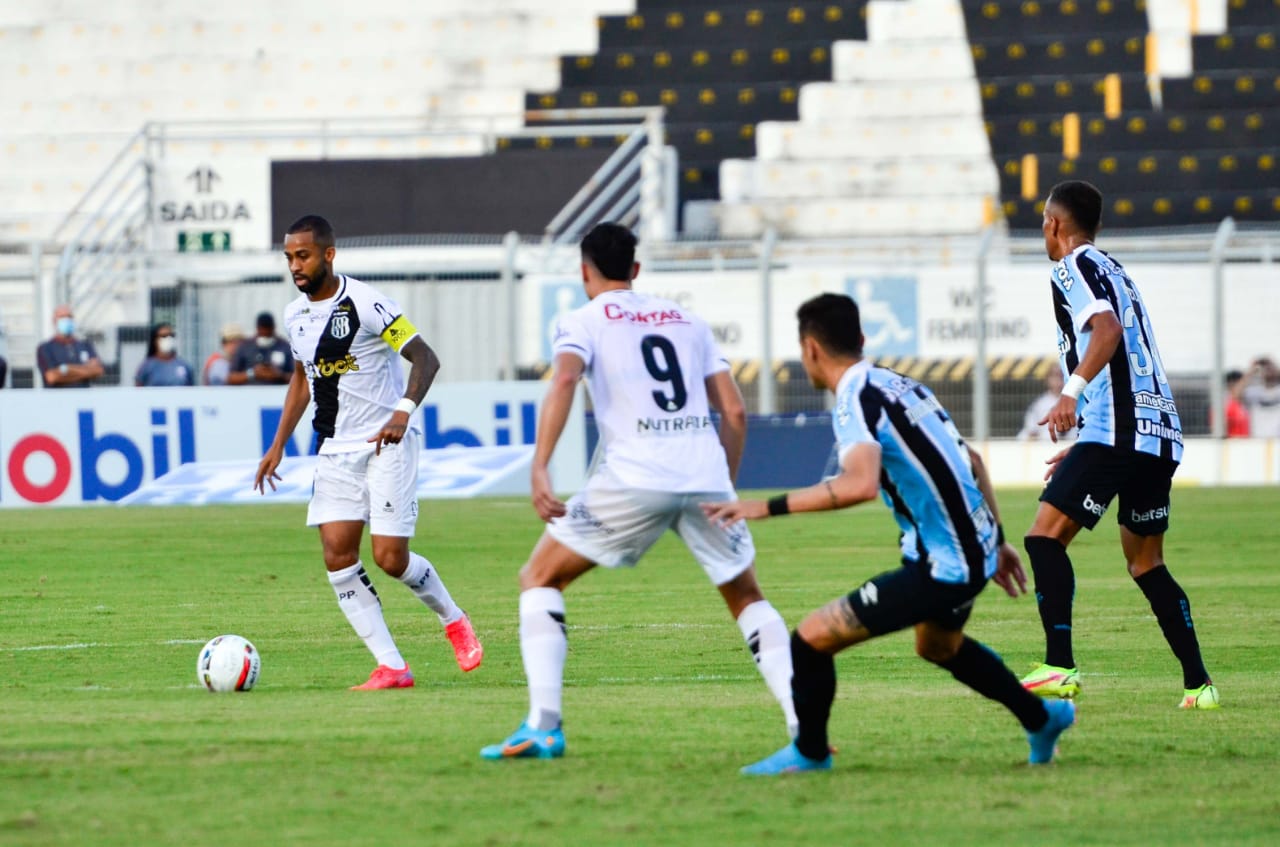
102 445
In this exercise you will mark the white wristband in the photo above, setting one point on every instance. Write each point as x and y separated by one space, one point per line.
1075 384
404 404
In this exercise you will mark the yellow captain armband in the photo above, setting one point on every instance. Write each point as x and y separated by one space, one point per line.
398 333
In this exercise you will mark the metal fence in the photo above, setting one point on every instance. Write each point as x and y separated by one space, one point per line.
484 304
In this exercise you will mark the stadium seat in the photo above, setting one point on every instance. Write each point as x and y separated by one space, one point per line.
1162 209
1256 89
713 63
1012 20
1243 49
676 24
1251 13
1150 172
684 103
1136 131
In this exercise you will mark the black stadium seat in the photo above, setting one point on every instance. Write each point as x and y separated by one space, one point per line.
1258 89
1137 131
675 24
1120 52
712 63
1020 19
1040 94
1161 209
1151 172
1244 49
1244 13
719 102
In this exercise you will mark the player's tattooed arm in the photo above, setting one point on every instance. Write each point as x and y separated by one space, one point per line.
424 365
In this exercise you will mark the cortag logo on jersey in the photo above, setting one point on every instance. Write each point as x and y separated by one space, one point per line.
614 312
1064 277
340 327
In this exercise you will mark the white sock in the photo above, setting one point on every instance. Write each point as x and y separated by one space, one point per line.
424 581
770 642
544 645
360 603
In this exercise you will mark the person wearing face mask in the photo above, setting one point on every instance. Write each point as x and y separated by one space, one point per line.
264 359
163 366
66 361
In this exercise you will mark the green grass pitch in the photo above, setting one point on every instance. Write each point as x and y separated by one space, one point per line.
106 740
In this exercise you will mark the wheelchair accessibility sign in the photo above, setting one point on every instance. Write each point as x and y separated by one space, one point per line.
888 306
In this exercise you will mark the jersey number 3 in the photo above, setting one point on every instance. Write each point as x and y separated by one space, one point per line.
667 370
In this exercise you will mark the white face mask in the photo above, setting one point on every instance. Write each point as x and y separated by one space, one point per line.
66 326
265 341
166 345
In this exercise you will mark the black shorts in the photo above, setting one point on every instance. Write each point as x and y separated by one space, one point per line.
1091 475
907 596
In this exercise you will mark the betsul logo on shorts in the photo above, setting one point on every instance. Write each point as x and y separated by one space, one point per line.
1093 507
95 450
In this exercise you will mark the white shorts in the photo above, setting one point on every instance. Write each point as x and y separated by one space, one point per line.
614 526
347 485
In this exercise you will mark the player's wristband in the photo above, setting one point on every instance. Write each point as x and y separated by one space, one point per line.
778 506
1000 534
404 404
1075 384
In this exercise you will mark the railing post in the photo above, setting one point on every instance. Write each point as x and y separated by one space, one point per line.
1217 406
651 183
981 377
768 394
510 244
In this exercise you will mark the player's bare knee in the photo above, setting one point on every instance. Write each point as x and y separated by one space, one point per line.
1140 566
336 560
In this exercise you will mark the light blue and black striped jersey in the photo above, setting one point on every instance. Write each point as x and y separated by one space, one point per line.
1128 404
925 477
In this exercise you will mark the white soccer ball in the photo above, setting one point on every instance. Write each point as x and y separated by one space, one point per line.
228 663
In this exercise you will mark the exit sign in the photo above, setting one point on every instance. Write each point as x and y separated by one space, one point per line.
204 242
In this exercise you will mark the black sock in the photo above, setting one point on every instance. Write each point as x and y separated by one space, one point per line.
1055 591
813 686
982 670
1173 611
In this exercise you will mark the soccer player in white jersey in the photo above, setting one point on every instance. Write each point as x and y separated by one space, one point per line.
347 339
1129 445
655 374
896 441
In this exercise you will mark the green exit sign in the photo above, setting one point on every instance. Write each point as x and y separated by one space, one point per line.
204 242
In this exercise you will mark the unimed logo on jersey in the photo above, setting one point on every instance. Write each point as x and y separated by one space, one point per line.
889 311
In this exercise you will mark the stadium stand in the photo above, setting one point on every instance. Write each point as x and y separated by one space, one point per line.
718 68
1098 90
81 77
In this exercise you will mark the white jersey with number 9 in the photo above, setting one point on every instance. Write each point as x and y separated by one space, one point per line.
647 360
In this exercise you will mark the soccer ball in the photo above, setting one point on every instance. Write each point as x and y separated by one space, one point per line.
228 663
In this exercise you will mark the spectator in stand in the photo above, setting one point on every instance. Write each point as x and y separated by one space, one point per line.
1237 415
1262 398
1040 407
163 367
265 359
217 368
65 361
